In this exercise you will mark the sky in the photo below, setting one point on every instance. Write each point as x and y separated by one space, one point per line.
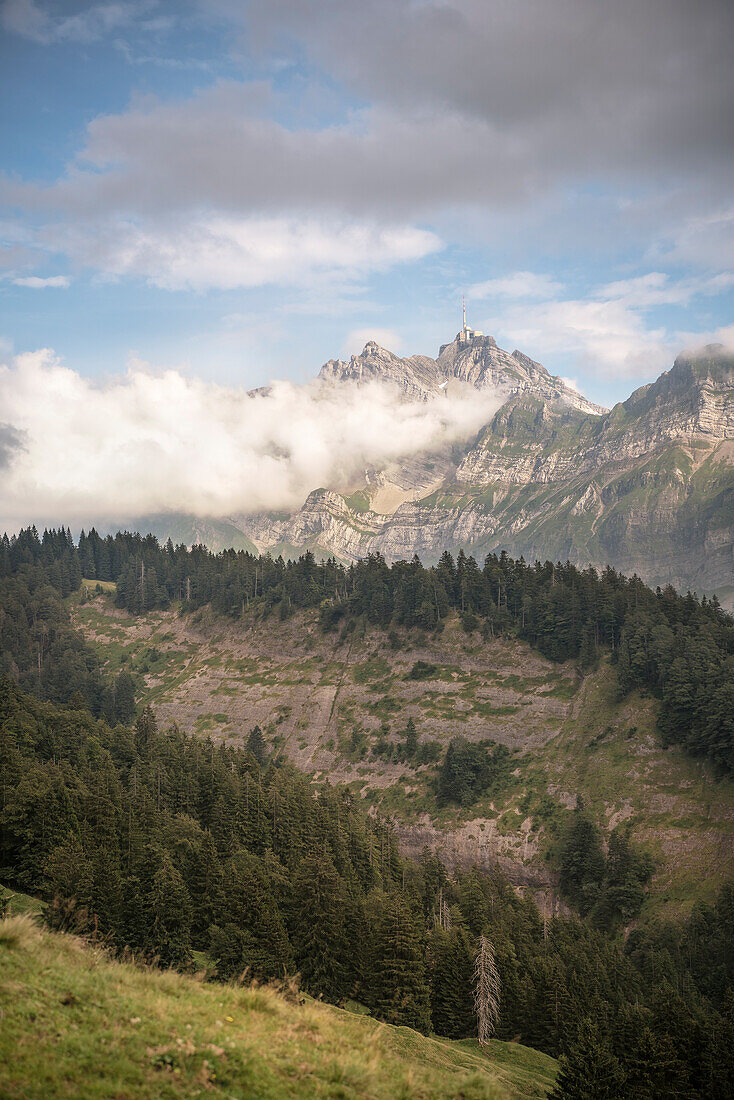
237 191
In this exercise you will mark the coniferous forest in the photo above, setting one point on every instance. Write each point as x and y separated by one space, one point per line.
172 848
680 648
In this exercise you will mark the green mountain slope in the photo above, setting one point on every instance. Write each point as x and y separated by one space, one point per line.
76 1024
339 709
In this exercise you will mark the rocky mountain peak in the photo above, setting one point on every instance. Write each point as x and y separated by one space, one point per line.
470 359
415 376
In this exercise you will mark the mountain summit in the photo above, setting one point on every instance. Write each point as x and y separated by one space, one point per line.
471 359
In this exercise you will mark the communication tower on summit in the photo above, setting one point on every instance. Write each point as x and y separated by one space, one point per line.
467 334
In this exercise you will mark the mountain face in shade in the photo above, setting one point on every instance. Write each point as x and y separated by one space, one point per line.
647 486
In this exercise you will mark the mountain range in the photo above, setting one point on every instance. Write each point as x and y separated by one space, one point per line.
647 486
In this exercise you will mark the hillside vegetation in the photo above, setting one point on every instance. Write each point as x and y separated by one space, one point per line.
78 1024
341 707
191 851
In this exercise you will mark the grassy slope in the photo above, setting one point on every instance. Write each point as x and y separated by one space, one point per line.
322 704
76 1024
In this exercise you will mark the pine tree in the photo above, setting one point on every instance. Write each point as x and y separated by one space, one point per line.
411 739
589 1071
124 705
256 744
169 907
319 935
451 966
402 994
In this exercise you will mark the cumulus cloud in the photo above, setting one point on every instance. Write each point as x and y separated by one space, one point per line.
435 120
605 338
210 193
36 282
466 108
149 442
11 441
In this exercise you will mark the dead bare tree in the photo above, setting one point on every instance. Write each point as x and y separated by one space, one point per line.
487 989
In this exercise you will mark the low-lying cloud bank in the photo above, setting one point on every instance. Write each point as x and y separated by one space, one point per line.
78 452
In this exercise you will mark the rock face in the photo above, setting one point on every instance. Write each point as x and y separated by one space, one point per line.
478 363
647 487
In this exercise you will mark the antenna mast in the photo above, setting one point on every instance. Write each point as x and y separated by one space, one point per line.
463 314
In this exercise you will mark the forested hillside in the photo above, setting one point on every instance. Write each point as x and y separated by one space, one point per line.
178 849
678 647
165 845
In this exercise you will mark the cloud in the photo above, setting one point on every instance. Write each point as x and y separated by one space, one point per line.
605 334
35 282
657 289
209 193
520 284
629 86
242 252
433 119
148 442
605 338
706 240
11 441
30 20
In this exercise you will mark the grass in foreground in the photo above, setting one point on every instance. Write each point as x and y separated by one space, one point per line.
77 1024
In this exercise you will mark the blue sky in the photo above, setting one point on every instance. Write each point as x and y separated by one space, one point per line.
241 191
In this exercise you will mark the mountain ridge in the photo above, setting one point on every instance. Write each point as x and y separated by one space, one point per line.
647 486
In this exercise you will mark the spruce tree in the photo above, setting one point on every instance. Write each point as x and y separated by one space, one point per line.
589 1070
402 994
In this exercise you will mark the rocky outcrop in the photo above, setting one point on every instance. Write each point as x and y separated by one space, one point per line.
416 377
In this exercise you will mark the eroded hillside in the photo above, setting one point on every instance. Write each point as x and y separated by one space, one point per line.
339 705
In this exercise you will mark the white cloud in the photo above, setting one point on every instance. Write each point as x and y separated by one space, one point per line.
147 442
35 282
697 341
520 284
358 337
657 289
30 20
706 240
241 252
606 338
605 334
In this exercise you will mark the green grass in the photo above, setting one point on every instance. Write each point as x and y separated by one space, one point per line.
18 904
78 1025
106 586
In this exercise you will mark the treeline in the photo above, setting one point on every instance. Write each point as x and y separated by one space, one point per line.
166 844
